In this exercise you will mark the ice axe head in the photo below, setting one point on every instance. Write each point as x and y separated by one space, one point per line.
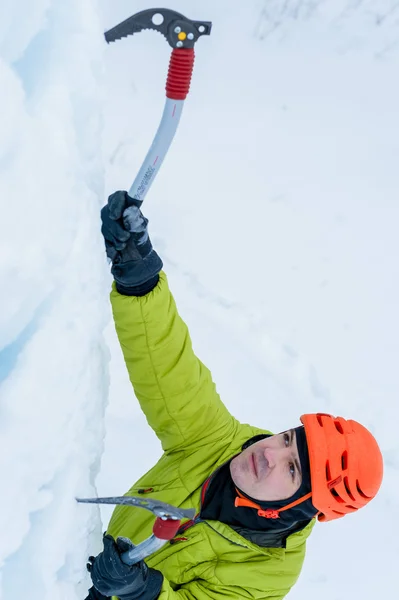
179 31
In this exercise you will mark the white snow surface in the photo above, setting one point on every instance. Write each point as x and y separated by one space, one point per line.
276 213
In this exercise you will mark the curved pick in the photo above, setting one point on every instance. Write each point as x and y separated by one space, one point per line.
179 31
159 508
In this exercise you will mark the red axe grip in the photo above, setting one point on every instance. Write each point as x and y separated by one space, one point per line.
179 75
165 530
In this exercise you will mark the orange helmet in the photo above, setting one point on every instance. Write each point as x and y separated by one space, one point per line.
346 464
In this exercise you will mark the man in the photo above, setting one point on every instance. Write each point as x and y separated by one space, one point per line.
257 495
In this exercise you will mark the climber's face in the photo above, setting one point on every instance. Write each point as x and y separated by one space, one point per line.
269 469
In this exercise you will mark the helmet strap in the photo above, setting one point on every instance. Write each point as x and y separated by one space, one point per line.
268 513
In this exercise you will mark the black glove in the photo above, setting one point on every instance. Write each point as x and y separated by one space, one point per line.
135 264
112 577
95 595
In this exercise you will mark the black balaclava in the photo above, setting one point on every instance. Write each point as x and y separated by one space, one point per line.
222 492
301 512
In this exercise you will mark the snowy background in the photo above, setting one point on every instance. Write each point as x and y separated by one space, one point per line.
276 213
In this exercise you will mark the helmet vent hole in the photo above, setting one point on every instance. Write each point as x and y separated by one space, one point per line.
338 426
337 496
319 419
344 460
362 494
328 471
348 490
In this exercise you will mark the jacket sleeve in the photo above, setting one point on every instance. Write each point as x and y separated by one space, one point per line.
174 389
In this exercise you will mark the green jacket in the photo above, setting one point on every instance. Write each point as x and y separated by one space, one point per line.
198 434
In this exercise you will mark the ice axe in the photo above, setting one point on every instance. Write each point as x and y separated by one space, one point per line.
165 527
181 34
